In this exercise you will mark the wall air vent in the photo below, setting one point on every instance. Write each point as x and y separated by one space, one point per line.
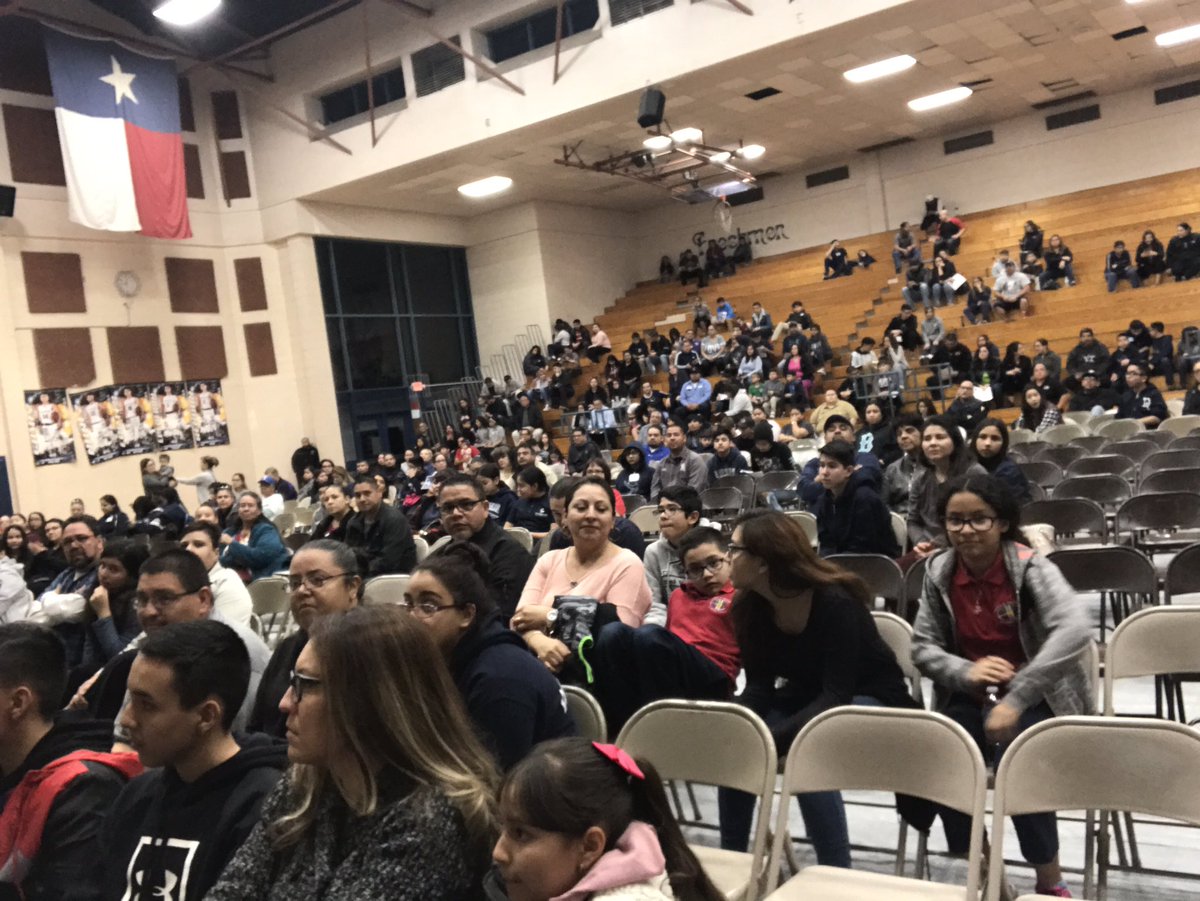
1176 92
1062 101
884 145
827 177
764 93
1130 33
968 142
1073 117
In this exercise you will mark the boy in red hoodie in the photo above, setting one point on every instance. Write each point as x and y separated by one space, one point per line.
694 657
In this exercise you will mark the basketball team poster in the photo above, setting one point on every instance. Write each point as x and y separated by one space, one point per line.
97 420
50 432
135 419
209 423
172 416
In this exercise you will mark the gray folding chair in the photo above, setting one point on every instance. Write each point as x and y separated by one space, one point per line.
1187 442
585 710
775 481
271 600
883 576
1070 517
385 589
1170 480
1170 459
722 504
1105 464
1181 425
1061 454
1042 472
742 481
1107 491
1160 522
1090 443
1158 437
632 502
1136 449
1183 574
1064 432
1123 576
1119 429
914 587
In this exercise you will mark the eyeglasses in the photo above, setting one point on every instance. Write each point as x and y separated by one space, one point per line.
161 600
458 507
977 523
300 683
426 608
669 510
312 581
712 564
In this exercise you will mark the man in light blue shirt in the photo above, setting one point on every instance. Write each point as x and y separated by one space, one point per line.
695 395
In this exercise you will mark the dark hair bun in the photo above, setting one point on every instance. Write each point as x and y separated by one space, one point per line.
466 553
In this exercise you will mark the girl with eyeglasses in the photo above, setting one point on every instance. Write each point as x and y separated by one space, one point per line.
512 700
1002 636
389 793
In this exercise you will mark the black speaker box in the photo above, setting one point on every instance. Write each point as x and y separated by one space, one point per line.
8 199
650 110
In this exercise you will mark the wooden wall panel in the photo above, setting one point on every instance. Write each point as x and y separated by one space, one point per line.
252 289
192 285
260 348
201 351
192 171
23 65
226 117
135 354
53 282
33 149
187 114
64 357
236 174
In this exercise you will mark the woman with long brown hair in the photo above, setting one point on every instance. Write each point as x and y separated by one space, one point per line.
803 620
390 793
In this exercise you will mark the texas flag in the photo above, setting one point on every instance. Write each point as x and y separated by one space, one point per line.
118 124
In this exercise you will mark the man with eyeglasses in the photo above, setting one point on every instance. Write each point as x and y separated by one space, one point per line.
678 513
464 511
694 655
380 532
230 595
67 597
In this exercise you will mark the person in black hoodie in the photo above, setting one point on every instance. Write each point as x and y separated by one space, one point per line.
172 831
114 523
59 776
636 474
324 580
512 699
851 517
877 435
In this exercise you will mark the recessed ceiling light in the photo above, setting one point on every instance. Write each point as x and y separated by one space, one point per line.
752 151
185 12
657 142
721 157
880 69
687 135
486 187
943 98
1178 36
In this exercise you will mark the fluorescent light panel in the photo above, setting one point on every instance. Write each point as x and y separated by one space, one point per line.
943 98
881 69
1178 36
486 187
185 12
657 142
687 135
752 151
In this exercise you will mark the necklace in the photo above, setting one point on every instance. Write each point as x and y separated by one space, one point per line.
582 568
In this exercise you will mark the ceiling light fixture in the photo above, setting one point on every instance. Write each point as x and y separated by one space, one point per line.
942 98
687 135
486 187
752 151
881 69
1178 36
657 142
722 156
185 12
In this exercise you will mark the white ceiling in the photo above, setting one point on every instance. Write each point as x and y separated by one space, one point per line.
1032 50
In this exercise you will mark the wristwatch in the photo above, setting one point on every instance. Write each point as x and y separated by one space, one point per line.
551 618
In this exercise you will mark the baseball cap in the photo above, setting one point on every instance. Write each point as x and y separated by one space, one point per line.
837 419
266 480
1091 374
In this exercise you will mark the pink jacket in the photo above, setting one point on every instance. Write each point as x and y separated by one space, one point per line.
636 859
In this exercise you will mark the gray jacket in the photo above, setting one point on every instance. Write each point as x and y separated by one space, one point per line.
664 573
923 523
689 468
1053 629
897 483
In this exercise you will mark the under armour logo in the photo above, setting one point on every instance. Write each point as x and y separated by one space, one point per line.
166 891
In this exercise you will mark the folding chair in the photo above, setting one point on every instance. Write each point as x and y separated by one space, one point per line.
1060 454
900 530
1170 480
1136 449
1156 641
742 481
523 537
1090 443
1042 472
1063 432
271 601
1036 492
808 522
1107 491
1032 448
1079 417
284 522
422 547
1183 574
1019 436
633 502
713 743
722 504
1099 420
775 481
440 543
387 589
585 710
1095 763
646 519
1069 517
1119 429
1180 425
898 635
1154 436
1123 576
1169 459
882 574
1159 522
1103 465
913 752
1187 442
914 587
296 540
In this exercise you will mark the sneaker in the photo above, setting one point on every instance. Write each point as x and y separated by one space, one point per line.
1056 891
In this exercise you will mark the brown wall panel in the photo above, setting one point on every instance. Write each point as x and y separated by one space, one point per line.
252 290
237 175
260 348
192 285
225 115
53 282
187 114
192 172
64 357
23 65
201 351
135 354
33 145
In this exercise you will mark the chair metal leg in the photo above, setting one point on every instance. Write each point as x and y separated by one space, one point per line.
1135 857
901 848
1118 832
922 862
1102 858
691 793
1090 837
675 799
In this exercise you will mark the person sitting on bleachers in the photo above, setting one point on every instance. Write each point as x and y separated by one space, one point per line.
996 616
986 372
1059 260
726 459
1012 291
945 279
1044 355
1031 240
933 329
904 325
1183 253
666 270
712 351
818 346
950 231
689 268
864 260
636 474
656 449
1151 259
695 396
251 545
1117 266
1124 354
905 249
701 316
1161 353
978 307
1141 400
851 517
681 466
1015 372
918 285
1092 397
1001 260
965 410
761 325
1038 413
833 406
1087 354
951 361
1191 400
837 428
1032 267
837 262
716 264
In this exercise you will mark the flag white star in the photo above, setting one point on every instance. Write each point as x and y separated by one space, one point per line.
122 82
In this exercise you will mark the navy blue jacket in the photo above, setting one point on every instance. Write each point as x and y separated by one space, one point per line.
811 490
857 522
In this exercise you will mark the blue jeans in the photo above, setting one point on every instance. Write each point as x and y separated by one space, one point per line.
910 296
1112 277
824 814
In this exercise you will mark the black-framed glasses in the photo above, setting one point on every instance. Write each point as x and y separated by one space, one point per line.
425 608
160 599
300 683
712 564
977 523
312 581
668 509
458 507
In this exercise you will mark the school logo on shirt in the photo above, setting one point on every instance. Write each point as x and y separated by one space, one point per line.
1007 613
719 604
144 878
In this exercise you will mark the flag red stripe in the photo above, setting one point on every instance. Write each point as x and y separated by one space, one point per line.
159 184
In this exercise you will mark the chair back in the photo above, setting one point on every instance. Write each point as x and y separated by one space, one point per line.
912 752
1061 454
898 635
440 543
1069 516
271 602
386 589
1187 442
646 519
1042 472
1099 420
585 710
1131 764
777 481
1107 491
723 502
523 537
1183 574
1079 417
1159 438
1118 429
1180 425
1154 641
422 547
1170 480
1105 464
808 523
1019 436
742 481
284 522
1114 568
914 585
1136 449
882 574
1063 432
1090 443
633 502
1170 459
900 530
1158 512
